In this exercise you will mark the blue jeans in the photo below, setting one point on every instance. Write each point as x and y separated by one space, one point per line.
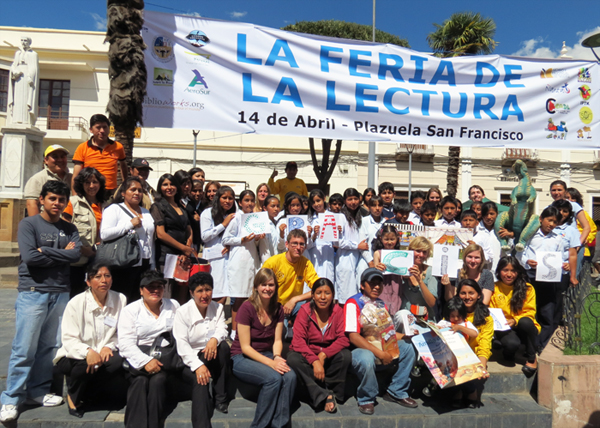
37 337
363 365
277 391
287 330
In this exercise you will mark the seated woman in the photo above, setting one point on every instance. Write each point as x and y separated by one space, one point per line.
141 322
516 298
89 337
319 351
473 268
256 353
200 332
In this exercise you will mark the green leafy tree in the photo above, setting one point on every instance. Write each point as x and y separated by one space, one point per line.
345 30
127 70
465 33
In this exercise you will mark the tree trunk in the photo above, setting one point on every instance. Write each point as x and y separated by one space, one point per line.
325 170
452 174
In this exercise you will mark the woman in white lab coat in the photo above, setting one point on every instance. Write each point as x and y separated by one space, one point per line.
368 230
321 253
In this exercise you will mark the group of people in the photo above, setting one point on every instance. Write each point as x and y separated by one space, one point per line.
131 325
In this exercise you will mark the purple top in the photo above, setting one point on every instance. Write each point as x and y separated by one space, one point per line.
262 337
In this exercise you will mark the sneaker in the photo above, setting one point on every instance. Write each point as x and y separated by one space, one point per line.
8 413
48 400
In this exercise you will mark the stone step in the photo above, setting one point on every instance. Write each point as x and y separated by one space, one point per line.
9 247
9 259
9 277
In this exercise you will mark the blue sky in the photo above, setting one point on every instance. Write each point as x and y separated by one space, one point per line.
524 27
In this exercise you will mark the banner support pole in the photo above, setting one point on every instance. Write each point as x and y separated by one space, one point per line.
195 146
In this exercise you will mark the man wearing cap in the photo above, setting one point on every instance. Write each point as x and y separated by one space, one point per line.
140 168
359 311
102 153
55 168
288 184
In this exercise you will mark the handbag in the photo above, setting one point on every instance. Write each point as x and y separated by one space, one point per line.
122 252
167 355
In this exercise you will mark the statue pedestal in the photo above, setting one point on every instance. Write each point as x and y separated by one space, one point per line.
12 212
21 158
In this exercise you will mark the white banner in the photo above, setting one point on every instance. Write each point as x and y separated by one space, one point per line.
243 78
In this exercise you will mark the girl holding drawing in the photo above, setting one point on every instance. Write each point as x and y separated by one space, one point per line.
516 298
547 283
291 206
388 239
244 260
368 229
268 246
320 253
213 222
351 244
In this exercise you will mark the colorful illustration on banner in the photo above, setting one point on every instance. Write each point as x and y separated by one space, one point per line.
198 84
584 133
162 49
557 131
553 107
197 38
197 58
553 72
586 115
584 75
162 77
564 89
585 92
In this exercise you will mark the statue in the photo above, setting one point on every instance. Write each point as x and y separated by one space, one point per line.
520 218
23 86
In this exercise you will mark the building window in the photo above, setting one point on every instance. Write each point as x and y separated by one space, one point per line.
505 199
54 98
3 90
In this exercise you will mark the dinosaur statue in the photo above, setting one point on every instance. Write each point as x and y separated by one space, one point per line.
519 218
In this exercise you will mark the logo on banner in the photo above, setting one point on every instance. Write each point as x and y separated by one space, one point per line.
162 49
197 38
196 58
553 107
564 89
553 72
584 75
585 92
584 133
162 77
556 132
198 84
586 115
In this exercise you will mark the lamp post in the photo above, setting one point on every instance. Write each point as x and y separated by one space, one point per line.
592 42
410 148
371 156
195 145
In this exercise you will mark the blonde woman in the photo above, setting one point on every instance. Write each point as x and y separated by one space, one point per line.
419 290
473 268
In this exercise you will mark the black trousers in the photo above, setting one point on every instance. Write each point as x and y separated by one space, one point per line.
524 332
202 404
548 306
335 376
146 398
78 284
127 281
78 380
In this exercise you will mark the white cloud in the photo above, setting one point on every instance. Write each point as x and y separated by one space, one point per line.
238 15
538 48
195 14
99 21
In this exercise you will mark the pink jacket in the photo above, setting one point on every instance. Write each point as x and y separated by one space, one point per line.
310 341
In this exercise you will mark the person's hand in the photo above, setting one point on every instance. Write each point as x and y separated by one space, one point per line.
202 375
340 228
248 238
471 242
225 250
511 322
318 370
385 357
566 267
289 307
188 251
455 327
381 267
259 237
574 281
136 222
153 366
196 217
228 219
105 354
505 233
70 246
446 280
316 230
88 251
280 365
282 228
274 173
309 229
322 357
93 360
210 352
532 263
363 246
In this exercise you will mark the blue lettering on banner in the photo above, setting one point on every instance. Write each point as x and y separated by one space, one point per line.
287 57
481 66
241 51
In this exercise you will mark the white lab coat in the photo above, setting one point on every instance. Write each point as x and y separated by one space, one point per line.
268 247
348 254
321 254
368 231
211 236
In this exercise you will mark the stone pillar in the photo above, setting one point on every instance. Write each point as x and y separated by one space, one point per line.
21 158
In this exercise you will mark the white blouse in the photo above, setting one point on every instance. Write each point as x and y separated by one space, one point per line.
138 327
192 331
86 325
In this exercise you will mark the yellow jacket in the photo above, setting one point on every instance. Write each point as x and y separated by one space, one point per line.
591 236
501 300
482 344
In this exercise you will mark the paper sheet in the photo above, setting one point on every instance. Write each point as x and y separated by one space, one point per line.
296 222
500 323
549 267
213 253
256 223
328 227
445 260
397 261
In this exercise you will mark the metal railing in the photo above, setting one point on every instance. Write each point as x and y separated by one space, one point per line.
69 123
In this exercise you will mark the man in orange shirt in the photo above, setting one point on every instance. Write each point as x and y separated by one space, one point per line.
101 153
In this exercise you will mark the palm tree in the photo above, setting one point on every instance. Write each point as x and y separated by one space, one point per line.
127 70
465 33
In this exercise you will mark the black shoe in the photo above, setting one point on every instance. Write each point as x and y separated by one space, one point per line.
222 408
366 409
528 371
404 402
76 412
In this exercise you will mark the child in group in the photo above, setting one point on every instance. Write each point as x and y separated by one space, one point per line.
213 222
350 246
244 260
449 207
489 214
320 253
367 195
401 212
469 221
428 212
291 206
386 192
368 230
305 205
435 195
417 199
459 208
477 206
268 246
336 202
388 238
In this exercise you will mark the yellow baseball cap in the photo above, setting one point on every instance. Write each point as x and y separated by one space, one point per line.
53 148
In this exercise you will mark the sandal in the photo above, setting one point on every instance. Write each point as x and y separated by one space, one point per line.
331 399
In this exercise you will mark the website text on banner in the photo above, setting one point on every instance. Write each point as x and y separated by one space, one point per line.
242 78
